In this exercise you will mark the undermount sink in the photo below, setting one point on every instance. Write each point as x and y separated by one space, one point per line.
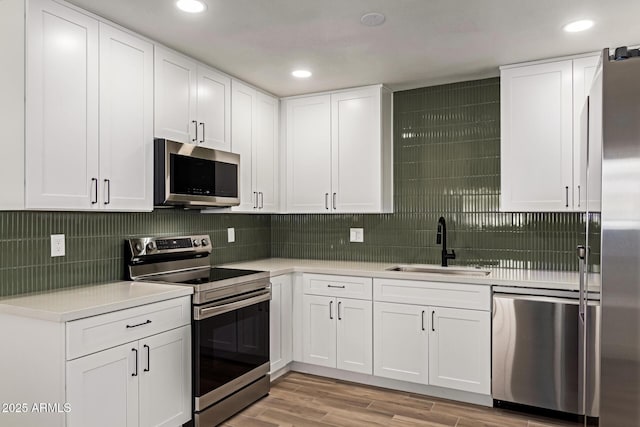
436 269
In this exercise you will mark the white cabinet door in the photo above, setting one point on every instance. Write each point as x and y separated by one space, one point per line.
102 388
460 349
175 97
243 100
280 322
61 108
401 342
266 152
165 378
126 121
356 151
308 143
319 330
594 147
537 137
584 70
355 336
214 109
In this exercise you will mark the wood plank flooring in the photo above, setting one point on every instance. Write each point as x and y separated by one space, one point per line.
305 400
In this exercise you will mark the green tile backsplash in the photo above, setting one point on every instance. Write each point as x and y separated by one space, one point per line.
446 162
95 243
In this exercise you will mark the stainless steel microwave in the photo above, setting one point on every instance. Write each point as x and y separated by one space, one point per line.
194 176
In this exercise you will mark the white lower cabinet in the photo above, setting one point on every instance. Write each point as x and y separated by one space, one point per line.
337 333
142 383
401 342
281 330
102 390
460 349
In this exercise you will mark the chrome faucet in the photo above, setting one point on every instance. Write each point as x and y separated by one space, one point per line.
441 238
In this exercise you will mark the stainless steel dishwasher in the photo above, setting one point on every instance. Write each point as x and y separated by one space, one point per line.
536 353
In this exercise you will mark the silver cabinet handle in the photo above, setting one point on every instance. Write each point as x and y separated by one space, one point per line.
566 190
422 323
433 323
94 199
255 200
326 201
195 125
202 140
578 196
331 309
336 286
108 191
135 374
261 194
148 368
339 304
334 201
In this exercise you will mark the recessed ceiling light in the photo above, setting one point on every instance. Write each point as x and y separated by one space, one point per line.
191 6
301 74
372 19
576 26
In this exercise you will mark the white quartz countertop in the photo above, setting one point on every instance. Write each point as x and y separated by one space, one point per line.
75 303
540 279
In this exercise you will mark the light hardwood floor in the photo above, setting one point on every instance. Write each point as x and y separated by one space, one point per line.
305 400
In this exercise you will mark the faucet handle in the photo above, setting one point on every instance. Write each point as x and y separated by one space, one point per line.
452 255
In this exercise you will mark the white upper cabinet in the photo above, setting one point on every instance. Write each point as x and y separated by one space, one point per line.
192 101
255 119
541 164
214 109
339 152
592 144
87 95
308 142
175 96
126 121
61 108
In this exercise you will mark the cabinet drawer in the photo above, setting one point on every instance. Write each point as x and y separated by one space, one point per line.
338 286
440 294
97 333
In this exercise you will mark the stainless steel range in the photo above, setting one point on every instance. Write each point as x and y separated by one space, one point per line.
230 321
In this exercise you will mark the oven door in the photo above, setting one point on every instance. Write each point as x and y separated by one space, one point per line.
231 346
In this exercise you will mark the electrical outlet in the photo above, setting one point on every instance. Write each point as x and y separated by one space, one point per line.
57 245
356 235
231 235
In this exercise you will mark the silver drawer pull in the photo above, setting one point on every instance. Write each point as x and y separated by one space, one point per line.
336 286
139 324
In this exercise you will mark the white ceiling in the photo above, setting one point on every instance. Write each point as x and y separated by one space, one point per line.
422 42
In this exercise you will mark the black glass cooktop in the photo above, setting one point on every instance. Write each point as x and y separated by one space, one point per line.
217 274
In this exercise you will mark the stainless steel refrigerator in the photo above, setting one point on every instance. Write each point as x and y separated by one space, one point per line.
618 93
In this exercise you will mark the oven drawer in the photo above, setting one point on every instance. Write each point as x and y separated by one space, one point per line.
97 333
338 286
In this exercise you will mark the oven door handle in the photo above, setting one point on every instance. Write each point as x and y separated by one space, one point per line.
204 313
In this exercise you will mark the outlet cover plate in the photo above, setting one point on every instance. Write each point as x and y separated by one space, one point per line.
57 245
356 235
231 235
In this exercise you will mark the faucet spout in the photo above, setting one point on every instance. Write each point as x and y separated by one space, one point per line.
441 238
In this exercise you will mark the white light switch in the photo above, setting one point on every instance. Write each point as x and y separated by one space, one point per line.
356 235
57 245
231 235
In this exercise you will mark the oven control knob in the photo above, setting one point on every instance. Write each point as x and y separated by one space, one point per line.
138 247
151 246
205 242
196 242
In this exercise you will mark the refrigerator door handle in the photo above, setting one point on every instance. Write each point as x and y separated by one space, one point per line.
582 255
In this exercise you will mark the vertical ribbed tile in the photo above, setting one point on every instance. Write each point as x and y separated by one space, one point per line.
94 243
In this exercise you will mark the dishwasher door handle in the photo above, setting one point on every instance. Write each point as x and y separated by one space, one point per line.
538 298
